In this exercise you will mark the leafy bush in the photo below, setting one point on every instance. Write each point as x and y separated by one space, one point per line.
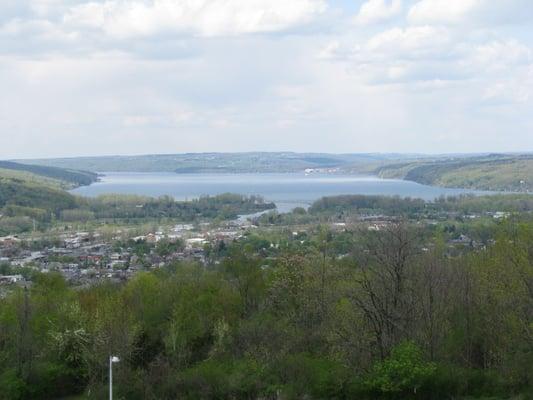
52 380
222 379
314 377
13 387
403 374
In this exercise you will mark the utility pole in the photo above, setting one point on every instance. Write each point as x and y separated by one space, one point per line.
112 359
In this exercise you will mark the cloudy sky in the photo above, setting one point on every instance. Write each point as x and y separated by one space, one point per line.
98 77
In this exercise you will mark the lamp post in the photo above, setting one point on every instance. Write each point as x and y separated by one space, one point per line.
112 359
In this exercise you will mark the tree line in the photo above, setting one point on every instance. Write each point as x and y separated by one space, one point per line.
24 207
345 207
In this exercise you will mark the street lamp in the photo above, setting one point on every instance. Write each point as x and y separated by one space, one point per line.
112 359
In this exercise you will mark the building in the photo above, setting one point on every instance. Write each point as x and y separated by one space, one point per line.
11 279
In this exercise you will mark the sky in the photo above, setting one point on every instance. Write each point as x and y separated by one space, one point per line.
106 77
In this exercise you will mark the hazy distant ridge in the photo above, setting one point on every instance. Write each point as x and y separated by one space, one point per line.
214 162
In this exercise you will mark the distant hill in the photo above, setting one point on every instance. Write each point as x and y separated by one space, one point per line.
69 177
492 172
32 195
215 162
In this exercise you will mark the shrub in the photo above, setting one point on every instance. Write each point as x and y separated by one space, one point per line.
401 375
12 387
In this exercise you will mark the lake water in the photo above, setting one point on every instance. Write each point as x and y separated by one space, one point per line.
287 190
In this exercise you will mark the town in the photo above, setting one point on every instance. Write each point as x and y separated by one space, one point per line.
85 258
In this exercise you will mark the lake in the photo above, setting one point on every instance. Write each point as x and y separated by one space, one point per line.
287 190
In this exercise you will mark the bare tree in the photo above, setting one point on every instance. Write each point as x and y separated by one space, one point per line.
384 293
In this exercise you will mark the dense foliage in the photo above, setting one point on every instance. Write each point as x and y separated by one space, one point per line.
410 206
24 206
361 207
397 317
223 206
362 203
21 194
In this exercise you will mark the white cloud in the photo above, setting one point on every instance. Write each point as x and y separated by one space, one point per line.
435 58
374 11
507 69
471 13
124 19
508 92
410 42
442 11
501 55
172 118
409 55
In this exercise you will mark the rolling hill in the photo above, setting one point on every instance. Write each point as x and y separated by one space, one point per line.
513 173
33 194
67 178
15 192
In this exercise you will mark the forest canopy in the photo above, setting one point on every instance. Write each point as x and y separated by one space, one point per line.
390 321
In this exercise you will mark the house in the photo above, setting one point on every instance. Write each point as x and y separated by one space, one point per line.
10 279
183 227
72 243
463 239
501 215
153 238
195 242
